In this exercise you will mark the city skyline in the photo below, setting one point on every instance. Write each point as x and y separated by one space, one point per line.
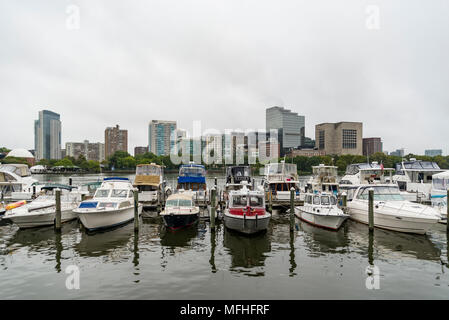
331 68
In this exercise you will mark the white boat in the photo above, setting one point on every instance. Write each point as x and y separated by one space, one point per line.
414 178
320 209
245 211
180 210
16 182
41 212
324 179
150 182
193 177
112 205
391 211
440 184
279 179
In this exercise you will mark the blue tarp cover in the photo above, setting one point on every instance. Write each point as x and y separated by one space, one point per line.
191 180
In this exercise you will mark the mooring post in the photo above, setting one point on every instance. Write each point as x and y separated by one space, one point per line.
212 208
371 209
292 209
216 185
70 181
58 209
136 210
345 199
271 202
34 192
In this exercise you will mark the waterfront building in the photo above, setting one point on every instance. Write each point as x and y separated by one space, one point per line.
339 138
115 139
398 153
140 150
47 135
433 152
161 137
305 153
90 151
290 126
371 146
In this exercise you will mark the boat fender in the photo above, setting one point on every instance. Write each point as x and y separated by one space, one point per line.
15 205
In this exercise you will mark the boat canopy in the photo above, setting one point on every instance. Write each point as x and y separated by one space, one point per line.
21 170
355 168
440 181
238 174
53 186
280 168
116 179
148 170
417 165
192 170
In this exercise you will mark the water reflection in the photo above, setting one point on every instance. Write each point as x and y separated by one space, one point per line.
213 244
180 238
247 252
111 243
322 241
391 244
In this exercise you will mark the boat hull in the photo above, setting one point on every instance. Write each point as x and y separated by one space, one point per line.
391 222
332 222
179 221
248 225
24 221
95 220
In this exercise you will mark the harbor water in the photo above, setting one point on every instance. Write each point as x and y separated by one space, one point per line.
195 263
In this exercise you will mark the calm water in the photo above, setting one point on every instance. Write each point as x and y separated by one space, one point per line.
198 264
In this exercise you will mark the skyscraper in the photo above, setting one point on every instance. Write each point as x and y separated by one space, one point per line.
115 139
371 146
290 126
161 137
339 138
47 135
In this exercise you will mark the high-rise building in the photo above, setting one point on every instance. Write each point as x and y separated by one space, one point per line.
398 153
290 126
140 150
161 137
115 139
339 138
90 151
213 149
433 152
47 135
371 146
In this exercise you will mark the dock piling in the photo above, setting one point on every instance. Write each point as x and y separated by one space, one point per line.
292 209
271 202
136 210
58 210
212 208
345 199
371 209
34 192
70 181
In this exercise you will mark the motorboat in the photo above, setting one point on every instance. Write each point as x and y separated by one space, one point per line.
324 179
391 210
245 211
41 211
16 182
112 205
234 176
440 185
278 179
414 178
193 177
180 210
320 209
150 182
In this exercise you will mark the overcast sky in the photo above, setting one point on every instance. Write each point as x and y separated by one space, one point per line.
224 62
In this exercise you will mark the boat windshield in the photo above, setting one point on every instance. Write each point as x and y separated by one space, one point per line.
102 193
119 193
179 203
281 168
440 183
382 193
239 201
256 201
192 171
355 168
148 170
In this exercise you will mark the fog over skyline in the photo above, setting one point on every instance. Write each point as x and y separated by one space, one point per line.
224 63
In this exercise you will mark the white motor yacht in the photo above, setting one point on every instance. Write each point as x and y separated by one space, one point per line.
320 209
16 182
41 212
112 205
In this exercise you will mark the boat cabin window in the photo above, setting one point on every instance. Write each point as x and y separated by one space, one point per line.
102 193
382 193
171 203
147 188
333 201
325 200
316 200
309 199
239 201
440 183
192 171
119 193
255 201
148 171
130 194
108 205
185 203
179 203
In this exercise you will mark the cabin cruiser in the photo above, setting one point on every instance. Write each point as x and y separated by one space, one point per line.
112 205
320 209
324 179
180 210
279 179
16 182
440 184
41 212
234 176
391 210
414 178
245 211
150 182
193 177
